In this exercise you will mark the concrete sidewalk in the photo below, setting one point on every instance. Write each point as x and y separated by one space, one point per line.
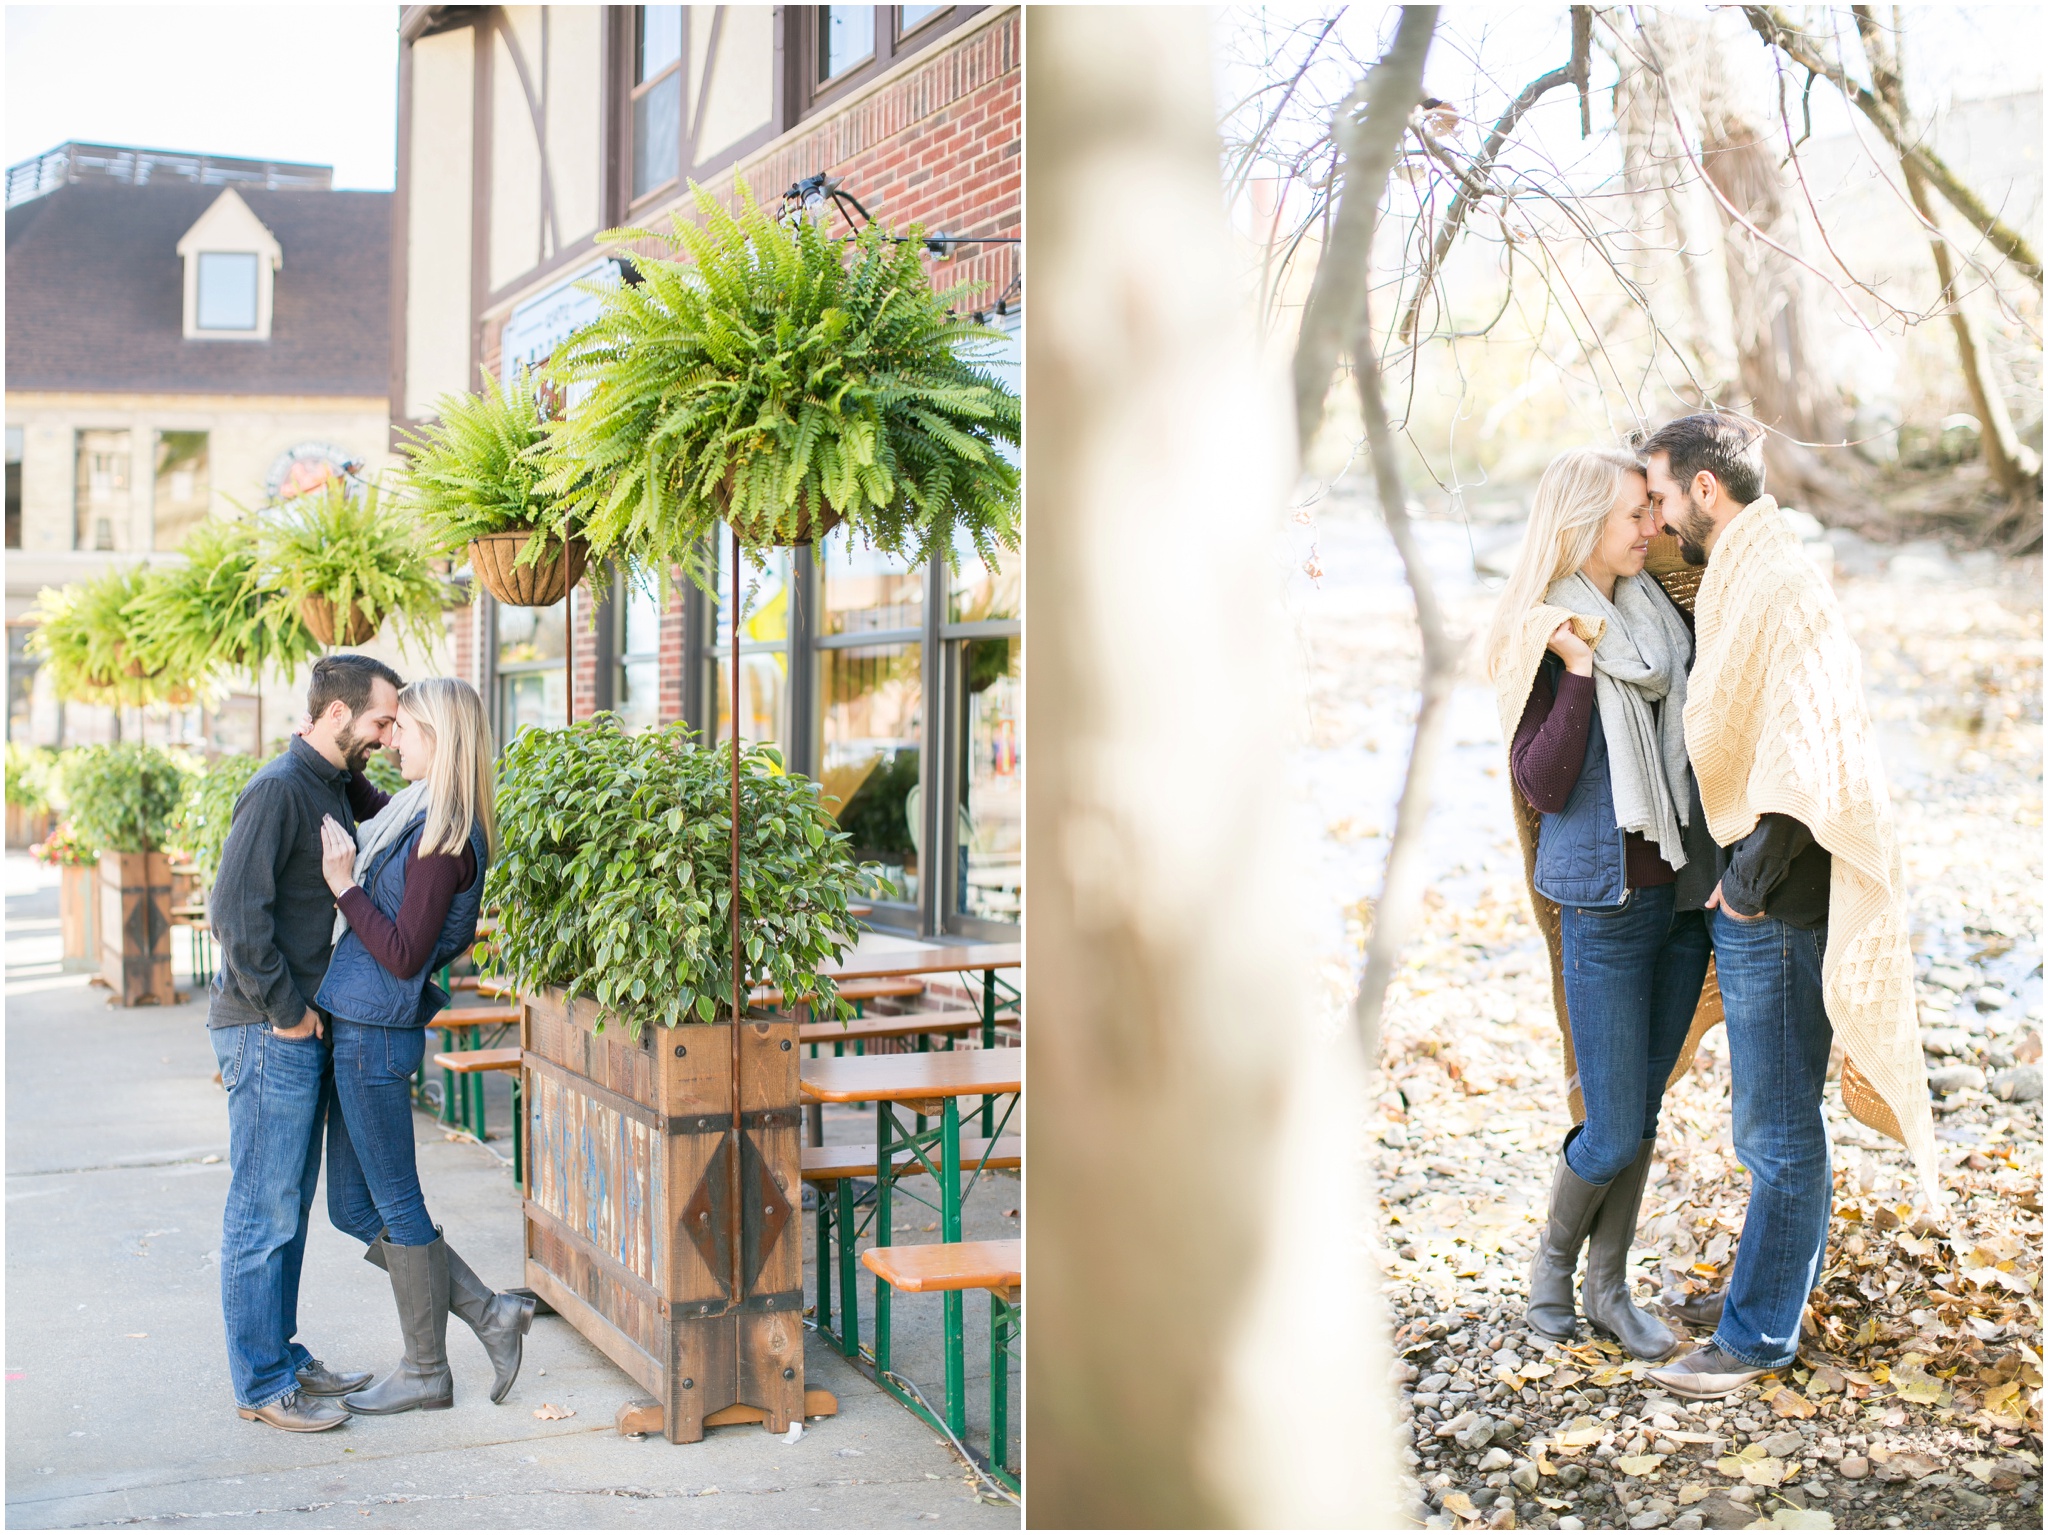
119 1410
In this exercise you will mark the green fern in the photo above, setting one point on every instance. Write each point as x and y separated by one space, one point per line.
84 634
354 550
769 373
477 470
215 612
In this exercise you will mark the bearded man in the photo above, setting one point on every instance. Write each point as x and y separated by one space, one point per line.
1808 922
273 914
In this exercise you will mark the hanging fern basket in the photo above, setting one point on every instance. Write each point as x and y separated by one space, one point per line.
541 583
759 530
318 613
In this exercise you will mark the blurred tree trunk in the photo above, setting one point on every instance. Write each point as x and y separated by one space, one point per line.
1783 380
2014 467
1206 1339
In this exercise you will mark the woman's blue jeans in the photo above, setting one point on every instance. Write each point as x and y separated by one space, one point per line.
1778 1043
1632 978
373 1178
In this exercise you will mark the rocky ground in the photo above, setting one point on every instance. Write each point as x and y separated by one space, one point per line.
1917 1404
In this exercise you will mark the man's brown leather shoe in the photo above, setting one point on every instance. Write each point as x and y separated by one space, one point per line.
297 1413
317 1380
1705 1374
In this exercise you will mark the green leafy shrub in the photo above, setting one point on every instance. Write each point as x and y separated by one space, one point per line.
477 471
216 611
614 872
356 551
773 374
123 798
201 824
383 772
32 778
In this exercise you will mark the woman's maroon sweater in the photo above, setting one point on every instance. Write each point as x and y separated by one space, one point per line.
1550 751
404 947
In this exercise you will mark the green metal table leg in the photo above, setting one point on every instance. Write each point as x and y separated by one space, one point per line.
518 1133
1001 1329
885 1158
450 1115
955 1302
849 1297
823 1314
988 1042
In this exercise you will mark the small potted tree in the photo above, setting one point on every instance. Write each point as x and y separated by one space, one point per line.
474 481
123 799
354 566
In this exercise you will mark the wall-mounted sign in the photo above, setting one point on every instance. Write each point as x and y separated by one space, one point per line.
308 467
545 321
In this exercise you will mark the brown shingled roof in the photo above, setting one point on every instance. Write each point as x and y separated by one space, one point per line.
95 294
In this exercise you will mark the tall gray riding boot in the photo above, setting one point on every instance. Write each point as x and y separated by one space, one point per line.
419 1283
1605 1297
1573 1205
499 1321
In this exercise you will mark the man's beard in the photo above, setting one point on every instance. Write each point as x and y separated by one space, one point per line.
355 750
1695 528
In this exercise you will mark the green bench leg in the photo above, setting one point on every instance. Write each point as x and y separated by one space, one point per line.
849 1265
885 1156
823 1314
955 1302
518 1132
1002 1330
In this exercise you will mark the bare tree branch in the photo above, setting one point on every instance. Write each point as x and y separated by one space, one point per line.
1777 29
1579 72
1368 130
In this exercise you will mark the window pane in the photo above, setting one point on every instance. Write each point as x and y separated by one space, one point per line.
873 723
530 700
639 697
529 634
657 134
102 491
917 15
661 40
183 488
764 596
991 829
227 291
14 436
866 591
764 697
975 592
846 37
643 621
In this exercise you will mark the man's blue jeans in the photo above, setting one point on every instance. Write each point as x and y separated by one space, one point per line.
1632 980
373 1179
1778 1042
279 1094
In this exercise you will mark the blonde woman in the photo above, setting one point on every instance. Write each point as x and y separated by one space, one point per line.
423 854
1588 658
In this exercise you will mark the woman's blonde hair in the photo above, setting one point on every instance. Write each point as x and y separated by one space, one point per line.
460 793
1573 499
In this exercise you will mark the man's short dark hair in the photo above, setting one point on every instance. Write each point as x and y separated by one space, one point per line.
348 678
1727 447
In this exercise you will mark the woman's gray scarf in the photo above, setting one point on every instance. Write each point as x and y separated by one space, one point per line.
1640 662
377 833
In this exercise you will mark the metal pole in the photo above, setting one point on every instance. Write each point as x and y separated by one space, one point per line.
738 955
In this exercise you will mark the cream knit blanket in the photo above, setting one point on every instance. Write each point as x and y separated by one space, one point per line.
1512 669
1775 722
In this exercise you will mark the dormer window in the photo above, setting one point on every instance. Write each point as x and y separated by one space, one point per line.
231 261
227 291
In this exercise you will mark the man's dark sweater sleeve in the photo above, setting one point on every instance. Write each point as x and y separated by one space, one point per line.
1758 864
404 947
365 799
242 905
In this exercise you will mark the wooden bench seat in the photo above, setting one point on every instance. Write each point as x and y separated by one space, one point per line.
937 1266
850 991
475 1017
828 1164
897 1026
462 1061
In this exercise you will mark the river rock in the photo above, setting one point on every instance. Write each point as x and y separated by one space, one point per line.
1495 1459
1785 1445
1956 1079
2022 1084
1854 1468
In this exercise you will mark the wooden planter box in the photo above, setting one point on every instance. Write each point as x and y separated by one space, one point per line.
628 1210
78 914
135 927
25 826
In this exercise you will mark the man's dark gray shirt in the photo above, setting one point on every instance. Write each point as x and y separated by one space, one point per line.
270 907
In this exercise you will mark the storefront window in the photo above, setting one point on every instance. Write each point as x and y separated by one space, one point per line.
21 683
764 645
639 650
184 490
866 591
977 594
846 37
873 706
14 437
533 683
990 882
104 462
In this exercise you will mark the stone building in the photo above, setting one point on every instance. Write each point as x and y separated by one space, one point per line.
525 131
186 335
